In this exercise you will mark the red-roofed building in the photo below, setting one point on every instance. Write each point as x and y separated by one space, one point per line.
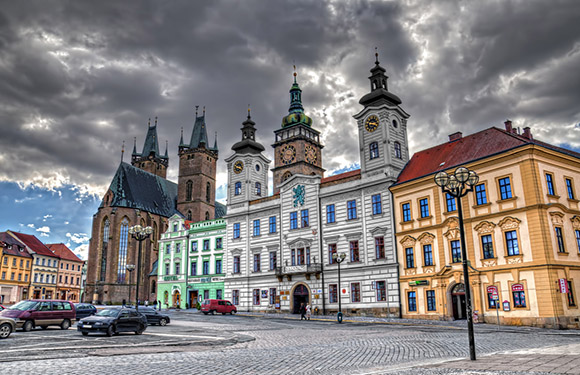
522 226
68 283
15 264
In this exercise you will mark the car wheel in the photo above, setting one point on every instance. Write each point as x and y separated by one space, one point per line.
5 330
85 333
212 312
28 325
65 324
110 331
140 330
205 313
163 322
232 312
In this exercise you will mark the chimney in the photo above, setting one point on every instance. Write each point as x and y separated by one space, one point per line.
527 133
455 136
508 126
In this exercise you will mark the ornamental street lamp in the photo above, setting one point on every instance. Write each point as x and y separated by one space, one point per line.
140 234
130 268
339 259
458 185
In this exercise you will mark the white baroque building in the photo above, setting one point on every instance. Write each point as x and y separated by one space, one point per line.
280 247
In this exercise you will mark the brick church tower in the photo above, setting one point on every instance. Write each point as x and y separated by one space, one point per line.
197 174
150 160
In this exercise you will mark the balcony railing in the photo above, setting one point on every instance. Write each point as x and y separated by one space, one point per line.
312 268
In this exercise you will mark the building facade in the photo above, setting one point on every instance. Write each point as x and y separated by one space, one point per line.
280 248
68 284
15 266
191 268
522 226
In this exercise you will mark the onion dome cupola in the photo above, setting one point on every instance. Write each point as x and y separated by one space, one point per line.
296 111
248 144
379 90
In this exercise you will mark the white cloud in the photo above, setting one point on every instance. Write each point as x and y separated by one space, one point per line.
44 235
30 226
44 230
82 251
78 237
66 223
46 217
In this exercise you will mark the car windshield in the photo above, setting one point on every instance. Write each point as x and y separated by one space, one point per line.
24 305
108 312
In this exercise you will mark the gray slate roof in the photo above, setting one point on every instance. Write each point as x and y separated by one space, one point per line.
220 210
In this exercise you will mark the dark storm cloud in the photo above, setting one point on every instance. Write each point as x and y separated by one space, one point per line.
78 78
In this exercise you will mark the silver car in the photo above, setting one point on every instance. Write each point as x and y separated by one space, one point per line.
7 326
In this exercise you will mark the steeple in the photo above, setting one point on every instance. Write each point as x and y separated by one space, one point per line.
296 111
199 134
166 146
135 147
150 160
151 146
379 89
248 144
215 146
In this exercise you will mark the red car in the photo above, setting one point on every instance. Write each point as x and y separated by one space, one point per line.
211 306
2 307
41 313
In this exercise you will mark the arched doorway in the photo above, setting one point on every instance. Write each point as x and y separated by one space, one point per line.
458 301
300 296
176 298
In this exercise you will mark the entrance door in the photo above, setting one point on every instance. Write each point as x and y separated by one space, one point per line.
176 299
458 300
300 296
192 298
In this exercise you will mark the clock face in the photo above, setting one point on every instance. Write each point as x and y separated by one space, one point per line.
288 154
310 154
372 123
238 167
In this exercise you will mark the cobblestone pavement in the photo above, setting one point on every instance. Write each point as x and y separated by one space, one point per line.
278 345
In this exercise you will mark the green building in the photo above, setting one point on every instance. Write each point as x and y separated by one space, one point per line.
191 267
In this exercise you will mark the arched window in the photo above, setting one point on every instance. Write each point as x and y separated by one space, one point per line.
123 241
286 176
189 215
104 248
206 215
188 190
238 188
208 192
398 153
153 287
374 150
258 189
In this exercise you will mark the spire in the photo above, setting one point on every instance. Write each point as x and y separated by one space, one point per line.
199 134
296 111
122 151
151 146
379 88
181 138
135 147
166 146
215 147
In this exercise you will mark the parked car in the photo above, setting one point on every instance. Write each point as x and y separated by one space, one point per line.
211 306
2 307
7 326
112 321
34 313
84 310
153 316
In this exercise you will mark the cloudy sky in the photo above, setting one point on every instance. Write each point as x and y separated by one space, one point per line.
77 78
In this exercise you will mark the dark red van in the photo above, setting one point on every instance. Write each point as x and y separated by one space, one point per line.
41 313
211 306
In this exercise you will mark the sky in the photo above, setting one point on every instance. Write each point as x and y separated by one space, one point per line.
79 78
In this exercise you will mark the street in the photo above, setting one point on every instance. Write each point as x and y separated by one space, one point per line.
195 343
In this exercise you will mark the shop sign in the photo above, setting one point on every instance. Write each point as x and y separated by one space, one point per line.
493 291
563 284
517 288
419 282
196 280
265 293
206 279
170 278
506 305
217 279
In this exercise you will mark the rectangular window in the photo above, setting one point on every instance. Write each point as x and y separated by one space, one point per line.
167 269
194 246
177 269
406 211
380 247
511 241
330 218
332 251
351 209
451 203
377 204
26 278
272 260
206 267
381 290
490 301
12 276
505 188
571 300
205 245
519 299
272 296
206 294
333 293
487 246
373 150
14 263
293 220
550 184
258 189
19 277
193 269
256 227
219 294
569 188
218 266
431 306
178 248
354 255
168 249
236 297
424 205
238 188
427 255
410 259
455 251
300 256
60 279
256 262
256 296
412 300
272 224
218 243
293 256
480 194
237 264
236 230
577 232
560 239
355 292
304 218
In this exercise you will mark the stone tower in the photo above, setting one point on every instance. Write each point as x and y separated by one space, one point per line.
150 160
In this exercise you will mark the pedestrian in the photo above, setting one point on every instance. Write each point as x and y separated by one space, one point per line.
159 302
124 302
308 312
146 303
302 311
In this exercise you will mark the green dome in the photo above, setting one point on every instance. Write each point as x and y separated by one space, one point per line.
296 114
296 118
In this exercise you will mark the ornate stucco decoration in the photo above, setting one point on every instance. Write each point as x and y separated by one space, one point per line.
452 226
299 243
485 227
576 222
236 251
426 238
509 223
489 263
557 218
408 241
298 197
378 231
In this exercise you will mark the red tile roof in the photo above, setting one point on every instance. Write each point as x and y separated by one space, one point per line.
11 246
63 252
476 146
33 244
341 176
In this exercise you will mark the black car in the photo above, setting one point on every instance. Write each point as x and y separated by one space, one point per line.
113 321
84 309
153 316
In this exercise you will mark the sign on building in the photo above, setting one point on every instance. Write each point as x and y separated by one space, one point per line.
563 284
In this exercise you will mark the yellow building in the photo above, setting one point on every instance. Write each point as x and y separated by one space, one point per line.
15 264
522 229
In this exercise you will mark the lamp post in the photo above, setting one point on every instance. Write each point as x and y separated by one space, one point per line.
339 259
458 185
130 268
140 234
